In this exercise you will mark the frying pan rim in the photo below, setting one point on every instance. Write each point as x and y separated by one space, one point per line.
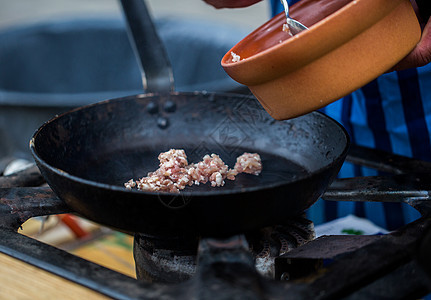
215 192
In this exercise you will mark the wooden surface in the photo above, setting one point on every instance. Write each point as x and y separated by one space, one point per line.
108 248
113 251
19 280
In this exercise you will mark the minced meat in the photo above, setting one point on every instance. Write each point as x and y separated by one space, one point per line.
174 172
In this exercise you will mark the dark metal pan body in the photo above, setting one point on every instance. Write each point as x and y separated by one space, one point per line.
87 154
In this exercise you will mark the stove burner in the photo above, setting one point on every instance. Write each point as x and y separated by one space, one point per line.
173 260
271 242
168 260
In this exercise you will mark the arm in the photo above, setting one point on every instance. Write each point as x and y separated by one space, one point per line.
231 3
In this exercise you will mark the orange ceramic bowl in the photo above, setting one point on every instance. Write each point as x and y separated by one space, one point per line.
348 44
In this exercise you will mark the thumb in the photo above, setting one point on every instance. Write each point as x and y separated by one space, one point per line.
421 54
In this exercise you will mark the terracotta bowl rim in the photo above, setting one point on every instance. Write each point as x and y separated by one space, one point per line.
315 32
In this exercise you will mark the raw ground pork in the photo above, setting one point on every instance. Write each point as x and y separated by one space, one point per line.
174 172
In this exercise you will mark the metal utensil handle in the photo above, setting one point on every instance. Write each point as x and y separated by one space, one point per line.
286 8
156 70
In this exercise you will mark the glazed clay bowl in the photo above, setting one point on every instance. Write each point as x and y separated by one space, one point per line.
348 44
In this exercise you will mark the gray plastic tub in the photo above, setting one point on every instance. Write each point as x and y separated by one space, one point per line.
49 68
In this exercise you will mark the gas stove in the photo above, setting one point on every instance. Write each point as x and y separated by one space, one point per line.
174 260
273 263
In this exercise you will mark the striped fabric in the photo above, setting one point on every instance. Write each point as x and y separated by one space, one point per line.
391 113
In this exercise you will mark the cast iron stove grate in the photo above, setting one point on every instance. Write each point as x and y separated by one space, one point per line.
395 266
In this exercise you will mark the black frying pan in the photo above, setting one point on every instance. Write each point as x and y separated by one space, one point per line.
87 154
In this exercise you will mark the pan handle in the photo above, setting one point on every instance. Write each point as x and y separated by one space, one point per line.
156 70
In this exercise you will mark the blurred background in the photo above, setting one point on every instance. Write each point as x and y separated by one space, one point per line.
30 11
59 54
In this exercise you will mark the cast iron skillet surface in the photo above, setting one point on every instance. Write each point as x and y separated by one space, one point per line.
87 154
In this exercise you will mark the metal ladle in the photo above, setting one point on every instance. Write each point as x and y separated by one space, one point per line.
295 27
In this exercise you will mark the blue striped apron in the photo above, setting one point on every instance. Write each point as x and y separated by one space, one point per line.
391 113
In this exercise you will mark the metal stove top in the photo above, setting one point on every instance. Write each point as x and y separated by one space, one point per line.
396 265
